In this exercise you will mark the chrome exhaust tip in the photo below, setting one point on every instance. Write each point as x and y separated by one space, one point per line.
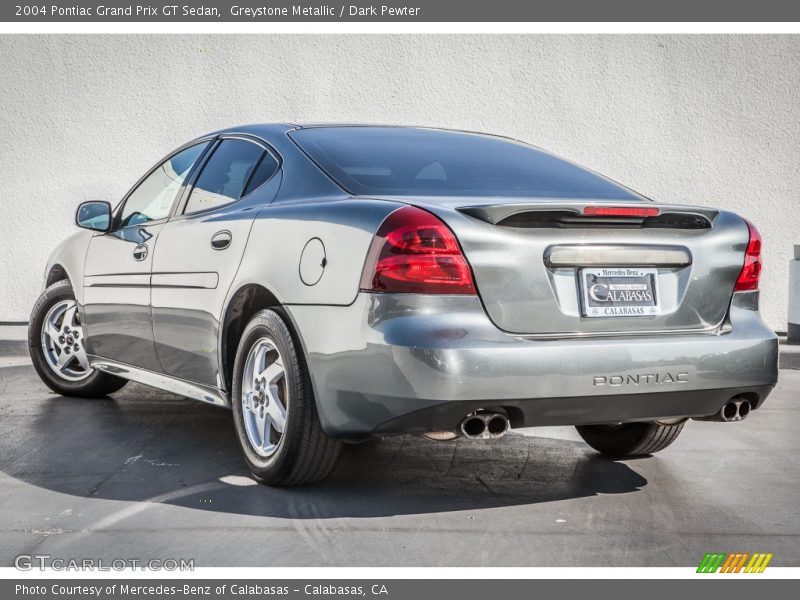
744 409
484 425
497 426
473 427
735 410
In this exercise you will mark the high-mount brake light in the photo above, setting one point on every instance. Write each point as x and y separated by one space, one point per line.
620 211
415 252
751 270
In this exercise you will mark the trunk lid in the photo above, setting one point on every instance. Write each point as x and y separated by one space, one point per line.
538 264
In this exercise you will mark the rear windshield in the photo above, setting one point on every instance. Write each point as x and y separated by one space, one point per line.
387 161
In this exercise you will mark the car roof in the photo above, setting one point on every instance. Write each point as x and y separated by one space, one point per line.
273 128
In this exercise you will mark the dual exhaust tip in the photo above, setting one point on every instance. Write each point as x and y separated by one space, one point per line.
479 425
735 410
484 425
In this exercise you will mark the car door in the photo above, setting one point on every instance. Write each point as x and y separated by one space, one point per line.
117 272
198 253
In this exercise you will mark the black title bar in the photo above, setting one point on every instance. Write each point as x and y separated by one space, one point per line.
731 588
210 11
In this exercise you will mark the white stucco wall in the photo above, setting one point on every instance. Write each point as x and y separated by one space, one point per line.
690 119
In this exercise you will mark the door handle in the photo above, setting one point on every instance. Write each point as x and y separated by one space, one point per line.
140 252
221 240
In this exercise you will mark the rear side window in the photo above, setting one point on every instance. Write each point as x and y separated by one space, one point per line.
225 175
428 162
265 169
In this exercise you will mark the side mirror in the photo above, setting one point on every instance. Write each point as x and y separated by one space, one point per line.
94 215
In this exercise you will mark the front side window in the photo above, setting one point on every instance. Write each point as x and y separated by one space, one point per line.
153 198
225 175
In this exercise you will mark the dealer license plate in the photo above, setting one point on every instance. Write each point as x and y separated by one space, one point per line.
620 292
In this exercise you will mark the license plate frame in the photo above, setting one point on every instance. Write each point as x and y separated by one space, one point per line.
619 292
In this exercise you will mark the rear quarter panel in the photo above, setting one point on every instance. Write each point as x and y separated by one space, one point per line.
280 233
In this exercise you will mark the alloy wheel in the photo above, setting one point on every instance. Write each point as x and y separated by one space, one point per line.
264 397
63 342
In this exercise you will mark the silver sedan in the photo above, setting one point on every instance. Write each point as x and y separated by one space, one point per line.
336 283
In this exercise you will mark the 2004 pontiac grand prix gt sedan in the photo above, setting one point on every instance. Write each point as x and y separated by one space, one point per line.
334 283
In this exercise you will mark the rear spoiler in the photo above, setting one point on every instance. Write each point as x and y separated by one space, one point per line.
585 213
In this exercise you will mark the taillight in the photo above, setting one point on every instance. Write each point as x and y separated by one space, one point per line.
414 251
751 270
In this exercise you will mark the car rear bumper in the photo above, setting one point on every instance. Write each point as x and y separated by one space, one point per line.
404 363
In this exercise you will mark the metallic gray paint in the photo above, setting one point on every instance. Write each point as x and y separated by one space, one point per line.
387 355
523 295
377 359
70 256
116 296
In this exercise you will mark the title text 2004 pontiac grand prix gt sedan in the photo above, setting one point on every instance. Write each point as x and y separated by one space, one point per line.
333 283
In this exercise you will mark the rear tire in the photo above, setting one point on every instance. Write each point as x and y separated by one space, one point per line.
56 311
275 413
630 439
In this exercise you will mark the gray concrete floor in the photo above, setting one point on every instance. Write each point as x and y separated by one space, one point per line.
151 475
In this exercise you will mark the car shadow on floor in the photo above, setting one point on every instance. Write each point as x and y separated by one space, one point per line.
149 446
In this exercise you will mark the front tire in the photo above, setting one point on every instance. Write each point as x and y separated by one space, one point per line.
56 345
630 439
275 413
